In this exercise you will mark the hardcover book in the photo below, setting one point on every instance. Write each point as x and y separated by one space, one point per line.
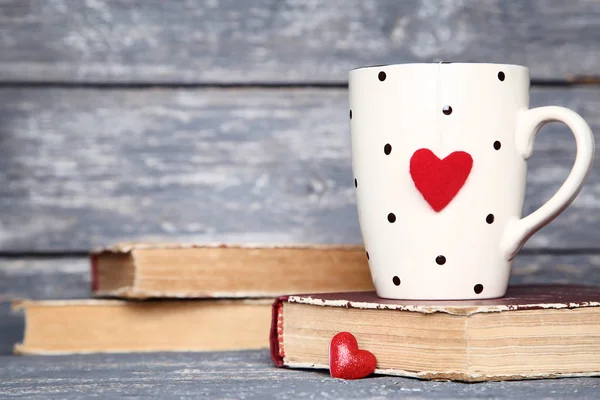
115 326
185 271
534 332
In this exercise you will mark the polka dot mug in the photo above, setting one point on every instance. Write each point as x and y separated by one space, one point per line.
438 154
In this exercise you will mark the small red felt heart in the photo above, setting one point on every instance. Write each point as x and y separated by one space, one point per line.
346 360
439 180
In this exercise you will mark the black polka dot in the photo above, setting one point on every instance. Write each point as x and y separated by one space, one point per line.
367 253
391 218
387 149
350 114
497 145
382 76
501 76
396 281
355 183
441 260
478 288
447 110
489 219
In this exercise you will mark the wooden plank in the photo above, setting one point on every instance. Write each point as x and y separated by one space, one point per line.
44 278
82 168
287 41
240 374
37 278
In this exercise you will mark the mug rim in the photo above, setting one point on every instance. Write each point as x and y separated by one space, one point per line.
472 64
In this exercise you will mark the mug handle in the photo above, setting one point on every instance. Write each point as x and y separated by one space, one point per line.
529 122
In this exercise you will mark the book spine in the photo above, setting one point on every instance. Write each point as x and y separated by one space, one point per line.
94 271
276 335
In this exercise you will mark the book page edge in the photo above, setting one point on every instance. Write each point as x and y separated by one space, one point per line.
127 247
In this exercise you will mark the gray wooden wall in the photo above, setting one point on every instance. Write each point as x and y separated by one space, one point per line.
227 120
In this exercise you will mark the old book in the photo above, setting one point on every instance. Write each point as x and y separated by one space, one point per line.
114 326
152 270
533 332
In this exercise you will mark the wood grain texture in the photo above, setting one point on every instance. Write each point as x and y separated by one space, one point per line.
37 278
241 374
287 41
69 277
84 168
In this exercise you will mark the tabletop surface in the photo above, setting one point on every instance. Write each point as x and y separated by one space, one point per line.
241 375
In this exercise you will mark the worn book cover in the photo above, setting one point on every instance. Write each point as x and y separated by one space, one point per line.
539 331
222 271
115 326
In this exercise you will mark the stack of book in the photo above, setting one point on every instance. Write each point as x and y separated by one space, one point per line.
150 297
202 298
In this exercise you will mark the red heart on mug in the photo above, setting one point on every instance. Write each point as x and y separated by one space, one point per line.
439 180
346 360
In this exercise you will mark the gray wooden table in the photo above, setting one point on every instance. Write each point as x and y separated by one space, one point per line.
240 375
227 120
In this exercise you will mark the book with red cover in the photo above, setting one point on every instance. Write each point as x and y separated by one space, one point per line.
537 331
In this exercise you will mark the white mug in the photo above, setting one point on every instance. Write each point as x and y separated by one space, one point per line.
438 154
